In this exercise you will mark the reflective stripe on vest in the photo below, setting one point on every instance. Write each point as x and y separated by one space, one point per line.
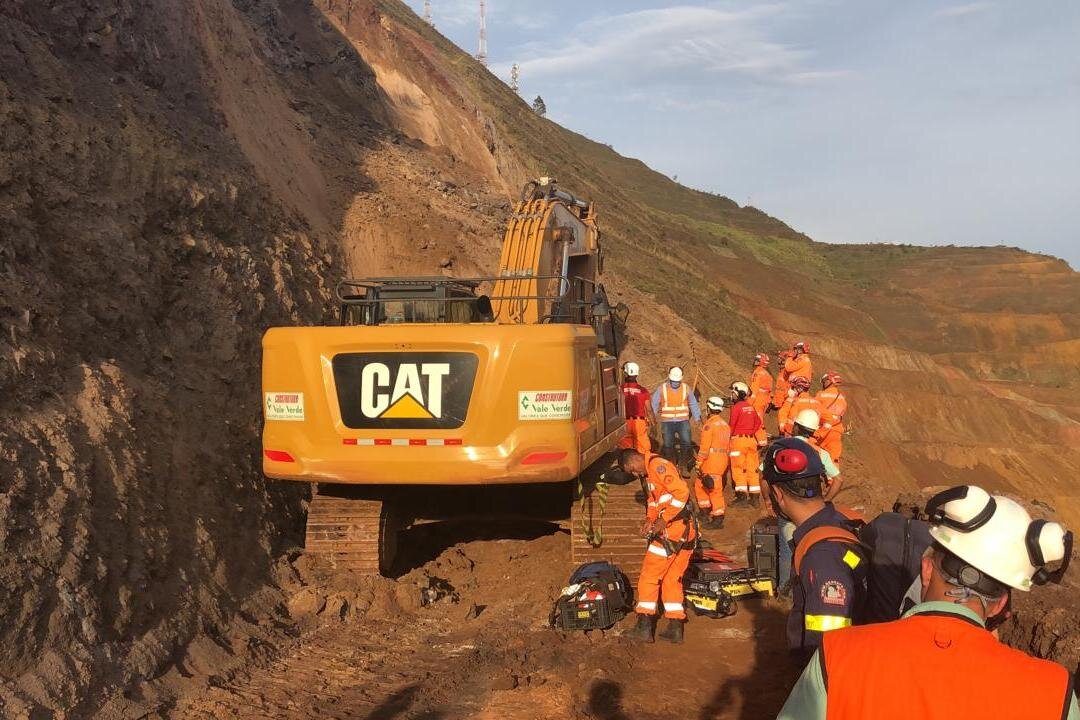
669 410
825 623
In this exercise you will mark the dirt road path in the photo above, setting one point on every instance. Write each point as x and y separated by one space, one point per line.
485 651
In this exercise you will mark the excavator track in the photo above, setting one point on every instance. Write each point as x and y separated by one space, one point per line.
352 532
619 523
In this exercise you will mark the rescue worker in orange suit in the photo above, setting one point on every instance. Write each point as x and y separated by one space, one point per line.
671 538
939 661
674 404
799 364
639 414
746 438
761 384
783 381
799 399
829 583
830 436
712 463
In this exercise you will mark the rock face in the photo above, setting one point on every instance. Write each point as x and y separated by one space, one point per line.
175 177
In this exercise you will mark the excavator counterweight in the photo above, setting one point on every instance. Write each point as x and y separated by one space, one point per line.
428 388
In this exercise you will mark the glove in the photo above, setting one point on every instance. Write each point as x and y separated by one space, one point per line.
654 528
707 481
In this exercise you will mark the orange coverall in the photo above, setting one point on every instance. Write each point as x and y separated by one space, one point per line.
783 383
746 428
712 459
831 433
799 367
786 416
636 402
761 389
662 572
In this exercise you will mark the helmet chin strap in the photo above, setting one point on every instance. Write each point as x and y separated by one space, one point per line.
962 595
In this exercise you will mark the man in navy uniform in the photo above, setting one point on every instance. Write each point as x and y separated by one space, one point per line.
829 562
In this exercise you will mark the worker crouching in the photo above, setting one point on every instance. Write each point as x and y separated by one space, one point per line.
671 534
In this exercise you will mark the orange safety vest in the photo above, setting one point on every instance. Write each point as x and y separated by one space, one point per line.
936 665
674 404
714 446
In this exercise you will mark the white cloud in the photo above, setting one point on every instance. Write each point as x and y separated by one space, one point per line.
664 45
972 8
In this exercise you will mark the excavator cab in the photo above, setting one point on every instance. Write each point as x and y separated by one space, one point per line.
427 387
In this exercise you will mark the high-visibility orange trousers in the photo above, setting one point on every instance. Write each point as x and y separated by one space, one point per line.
832 441
744 464
711 500
637 435
661 580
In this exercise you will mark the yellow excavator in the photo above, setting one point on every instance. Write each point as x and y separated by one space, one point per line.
429 387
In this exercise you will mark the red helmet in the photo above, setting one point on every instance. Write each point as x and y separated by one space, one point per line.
761 359
800 384
801 346
830 378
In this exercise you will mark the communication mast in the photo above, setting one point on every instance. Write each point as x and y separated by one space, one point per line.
482 54
515 73
427 13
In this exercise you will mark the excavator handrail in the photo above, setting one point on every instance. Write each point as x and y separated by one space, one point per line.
466 283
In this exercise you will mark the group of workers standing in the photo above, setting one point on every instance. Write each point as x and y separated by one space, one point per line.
983 548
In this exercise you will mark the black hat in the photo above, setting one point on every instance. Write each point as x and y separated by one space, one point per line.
789 459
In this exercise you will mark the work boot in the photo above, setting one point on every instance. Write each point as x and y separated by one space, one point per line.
645 630
715 522
755 500
740 498
673 633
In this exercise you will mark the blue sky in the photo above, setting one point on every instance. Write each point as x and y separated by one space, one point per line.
852 120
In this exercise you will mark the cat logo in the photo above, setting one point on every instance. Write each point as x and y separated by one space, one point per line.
404 390
407 399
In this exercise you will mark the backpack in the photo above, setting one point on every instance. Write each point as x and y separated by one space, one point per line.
896 543
848 535
610 580
598 596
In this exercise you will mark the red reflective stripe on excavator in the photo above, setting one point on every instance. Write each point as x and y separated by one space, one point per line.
278 456
540 458
400 442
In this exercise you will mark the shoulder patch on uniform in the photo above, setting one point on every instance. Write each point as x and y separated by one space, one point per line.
833 592
852 560
661 468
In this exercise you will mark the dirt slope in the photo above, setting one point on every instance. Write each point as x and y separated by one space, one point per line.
176 177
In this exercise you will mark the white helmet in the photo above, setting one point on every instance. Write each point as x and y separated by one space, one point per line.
675 374
997 537
631 369
715 403
809 419
740 390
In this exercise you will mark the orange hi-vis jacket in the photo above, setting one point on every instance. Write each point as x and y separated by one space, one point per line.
712 457
781 388
668 495
761 388
799 367
791 409
937 664
674 404
833 408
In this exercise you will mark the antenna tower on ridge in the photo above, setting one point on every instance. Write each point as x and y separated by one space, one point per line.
427 13
515 73
482 55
